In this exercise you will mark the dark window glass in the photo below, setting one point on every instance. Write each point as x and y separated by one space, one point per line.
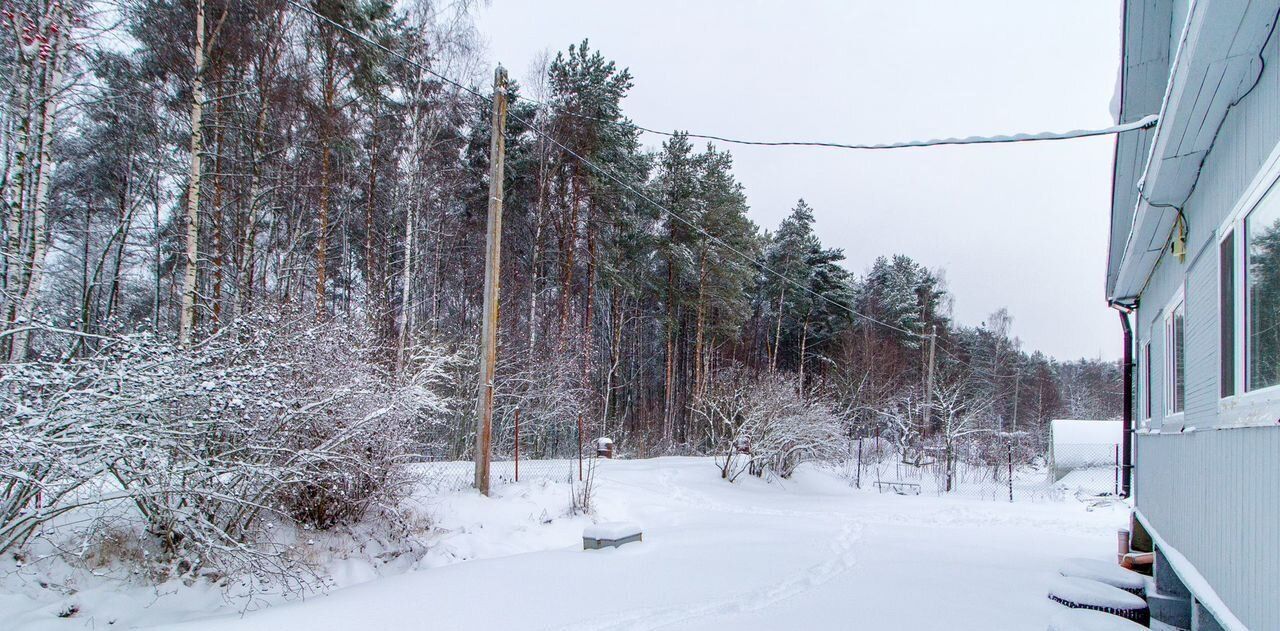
1227 314
1146 380
1262 307
1179 362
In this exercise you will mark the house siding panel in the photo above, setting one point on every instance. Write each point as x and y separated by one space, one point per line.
1211 495
1202 340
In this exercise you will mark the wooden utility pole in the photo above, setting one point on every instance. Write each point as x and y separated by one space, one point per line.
492 263
928 383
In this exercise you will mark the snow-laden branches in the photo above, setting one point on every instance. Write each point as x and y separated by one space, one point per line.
275 419
765 425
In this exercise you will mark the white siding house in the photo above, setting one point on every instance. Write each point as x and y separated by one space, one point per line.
1195 262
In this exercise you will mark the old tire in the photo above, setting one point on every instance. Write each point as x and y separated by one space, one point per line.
1105 572
1090 620
1080 593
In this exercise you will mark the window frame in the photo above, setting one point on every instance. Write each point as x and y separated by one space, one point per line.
1229 360
1244 407
1174 408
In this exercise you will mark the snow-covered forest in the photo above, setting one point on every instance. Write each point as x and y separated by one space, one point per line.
243 265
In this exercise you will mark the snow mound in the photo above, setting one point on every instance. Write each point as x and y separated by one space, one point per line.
1072 591
611 530
1090 620
1104 572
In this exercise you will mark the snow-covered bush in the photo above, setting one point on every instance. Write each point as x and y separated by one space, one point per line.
275 419
65 425
767 426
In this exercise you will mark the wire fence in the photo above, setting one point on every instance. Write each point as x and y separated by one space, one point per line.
555 450
998 471
1017 468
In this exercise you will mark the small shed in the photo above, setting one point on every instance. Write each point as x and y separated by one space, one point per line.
1076 444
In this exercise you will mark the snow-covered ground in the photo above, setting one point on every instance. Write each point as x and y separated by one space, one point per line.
810 553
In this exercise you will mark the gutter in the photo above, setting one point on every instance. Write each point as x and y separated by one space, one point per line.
1127 370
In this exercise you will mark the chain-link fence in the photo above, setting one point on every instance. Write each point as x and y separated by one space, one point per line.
1010 470
1014 468
545 449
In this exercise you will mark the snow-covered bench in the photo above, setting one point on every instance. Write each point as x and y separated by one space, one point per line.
901 488
609 534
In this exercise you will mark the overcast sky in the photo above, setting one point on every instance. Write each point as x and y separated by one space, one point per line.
1020 226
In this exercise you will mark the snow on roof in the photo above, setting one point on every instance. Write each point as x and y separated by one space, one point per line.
1086 432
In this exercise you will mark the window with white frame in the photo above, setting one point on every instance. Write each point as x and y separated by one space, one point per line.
1175 394
1227 315
1249 286
1262 293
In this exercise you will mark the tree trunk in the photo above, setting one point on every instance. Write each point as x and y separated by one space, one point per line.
569 242
215 223
322 236
804 342
540 209
588 316
249 236
49 93
777 336
406 280
187 319
698 335
124 215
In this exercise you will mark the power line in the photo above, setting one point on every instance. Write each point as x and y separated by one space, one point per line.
1140 124
1143 123
936 142
968 364
606 173
710 237
366 39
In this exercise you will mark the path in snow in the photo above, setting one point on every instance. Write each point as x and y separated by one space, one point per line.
806 553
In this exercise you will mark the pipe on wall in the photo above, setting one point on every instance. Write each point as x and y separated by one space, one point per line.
1127 370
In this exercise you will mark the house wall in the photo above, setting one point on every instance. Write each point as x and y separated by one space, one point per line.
1212 496
1213 493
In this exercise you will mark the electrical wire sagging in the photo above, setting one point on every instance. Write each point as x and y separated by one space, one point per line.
484 100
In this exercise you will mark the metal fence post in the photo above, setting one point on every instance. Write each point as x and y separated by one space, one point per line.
579 446
858 476
1117 471
517 444
1010 448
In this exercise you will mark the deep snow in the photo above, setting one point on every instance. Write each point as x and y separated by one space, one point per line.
810 553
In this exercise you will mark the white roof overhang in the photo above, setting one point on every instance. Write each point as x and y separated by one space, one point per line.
1217 62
